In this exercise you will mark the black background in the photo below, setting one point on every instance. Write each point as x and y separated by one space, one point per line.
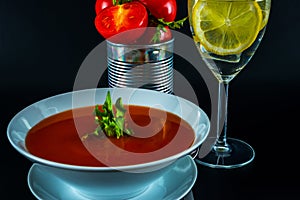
43 43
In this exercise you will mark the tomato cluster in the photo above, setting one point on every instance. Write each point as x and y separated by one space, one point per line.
128 20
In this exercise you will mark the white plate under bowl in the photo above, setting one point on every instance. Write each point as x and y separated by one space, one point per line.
174 184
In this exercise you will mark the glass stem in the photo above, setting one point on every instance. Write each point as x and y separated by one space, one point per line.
221 144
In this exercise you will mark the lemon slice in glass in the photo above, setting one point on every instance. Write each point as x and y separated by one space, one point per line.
265 8
226 27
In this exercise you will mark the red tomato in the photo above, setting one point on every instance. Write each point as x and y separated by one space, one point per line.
101 4
166 9
117 19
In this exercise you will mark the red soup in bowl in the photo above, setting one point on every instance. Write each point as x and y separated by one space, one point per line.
157 134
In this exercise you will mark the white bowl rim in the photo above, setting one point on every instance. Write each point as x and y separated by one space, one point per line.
166 160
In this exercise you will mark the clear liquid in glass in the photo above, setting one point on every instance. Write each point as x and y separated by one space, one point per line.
225 68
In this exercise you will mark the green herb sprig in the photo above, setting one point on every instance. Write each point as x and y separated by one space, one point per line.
160 26
174 24
110 123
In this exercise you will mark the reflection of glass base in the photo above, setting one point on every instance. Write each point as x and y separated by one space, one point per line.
240 154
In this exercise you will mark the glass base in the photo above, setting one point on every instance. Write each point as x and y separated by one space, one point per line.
238 154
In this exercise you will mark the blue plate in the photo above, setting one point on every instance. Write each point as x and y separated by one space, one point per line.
174 184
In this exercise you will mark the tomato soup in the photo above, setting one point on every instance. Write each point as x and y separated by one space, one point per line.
156 135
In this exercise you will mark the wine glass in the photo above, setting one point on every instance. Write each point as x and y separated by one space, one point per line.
227 34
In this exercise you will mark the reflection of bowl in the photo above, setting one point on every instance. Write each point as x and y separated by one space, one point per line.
133 178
